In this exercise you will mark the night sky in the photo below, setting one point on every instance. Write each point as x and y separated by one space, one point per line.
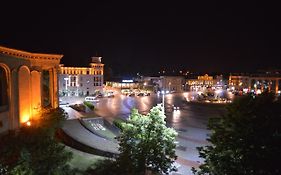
140 36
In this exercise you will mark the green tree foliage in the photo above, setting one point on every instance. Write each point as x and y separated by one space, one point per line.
147 144
247 140
35 149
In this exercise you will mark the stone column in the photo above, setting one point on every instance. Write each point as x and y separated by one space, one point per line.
53 87
262 85
277 86
14 100
249 84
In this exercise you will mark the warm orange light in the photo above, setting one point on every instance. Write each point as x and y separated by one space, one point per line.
28 123
24 118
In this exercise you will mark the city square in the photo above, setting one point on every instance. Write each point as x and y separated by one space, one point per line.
140 88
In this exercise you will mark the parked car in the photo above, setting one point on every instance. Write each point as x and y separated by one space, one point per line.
141 94
91 99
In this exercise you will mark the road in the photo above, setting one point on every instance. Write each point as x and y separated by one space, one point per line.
190 121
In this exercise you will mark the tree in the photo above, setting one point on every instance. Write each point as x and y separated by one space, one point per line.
35 149
147 144
247 140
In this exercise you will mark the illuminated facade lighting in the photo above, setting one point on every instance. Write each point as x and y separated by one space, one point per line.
24 75
81 81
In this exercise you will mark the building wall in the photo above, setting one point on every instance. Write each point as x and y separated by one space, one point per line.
120 85
22 71
82 81
269 83
204 82
172 83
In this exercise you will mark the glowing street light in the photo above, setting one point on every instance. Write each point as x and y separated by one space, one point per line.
28 123
163 100
66 84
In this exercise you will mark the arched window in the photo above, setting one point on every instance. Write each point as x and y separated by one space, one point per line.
3 90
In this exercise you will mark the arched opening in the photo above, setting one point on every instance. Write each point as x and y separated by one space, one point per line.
24 94
3 89
36 92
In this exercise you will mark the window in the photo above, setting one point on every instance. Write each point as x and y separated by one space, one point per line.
3 90
81 85
73 81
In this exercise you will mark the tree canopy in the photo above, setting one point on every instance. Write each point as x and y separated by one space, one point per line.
247 140
34 150
146 143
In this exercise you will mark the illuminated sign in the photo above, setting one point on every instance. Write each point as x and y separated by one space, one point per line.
127 81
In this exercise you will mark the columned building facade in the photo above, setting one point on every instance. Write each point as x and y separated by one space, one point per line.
255 83
28 84
81 81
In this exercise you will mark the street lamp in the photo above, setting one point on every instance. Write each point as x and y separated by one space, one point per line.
66 85
169 86
163 100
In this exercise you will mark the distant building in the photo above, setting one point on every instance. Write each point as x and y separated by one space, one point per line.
81 81
28 84
255 82
123 84
204 82
201 83
172 83
151 83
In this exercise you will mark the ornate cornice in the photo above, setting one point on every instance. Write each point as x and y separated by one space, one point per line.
29 55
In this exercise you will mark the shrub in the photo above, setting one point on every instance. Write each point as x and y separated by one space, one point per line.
89 105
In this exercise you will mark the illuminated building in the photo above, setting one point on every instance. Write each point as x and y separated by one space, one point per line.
201 83
28 83
255 83
81 81
123 84
172 83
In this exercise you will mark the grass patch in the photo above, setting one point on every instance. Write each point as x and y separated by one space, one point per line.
81 160
118 123
89 105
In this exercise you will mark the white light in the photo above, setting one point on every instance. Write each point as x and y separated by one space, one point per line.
218 91
127 81
167 92
163 92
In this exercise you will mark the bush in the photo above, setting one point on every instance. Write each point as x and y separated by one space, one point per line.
35 149
78 107
89 105
118 123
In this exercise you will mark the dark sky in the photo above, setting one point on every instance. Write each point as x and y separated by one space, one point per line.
140 36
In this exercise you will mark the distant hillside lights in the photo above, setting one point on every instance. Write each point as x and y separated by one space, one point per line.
81 81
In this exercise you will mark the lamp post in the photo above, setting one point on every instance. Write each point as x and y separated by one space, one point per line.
169 86
66 85
163 100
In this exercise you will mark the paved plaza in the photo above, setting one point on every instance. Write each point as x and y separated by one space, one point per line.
190 122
